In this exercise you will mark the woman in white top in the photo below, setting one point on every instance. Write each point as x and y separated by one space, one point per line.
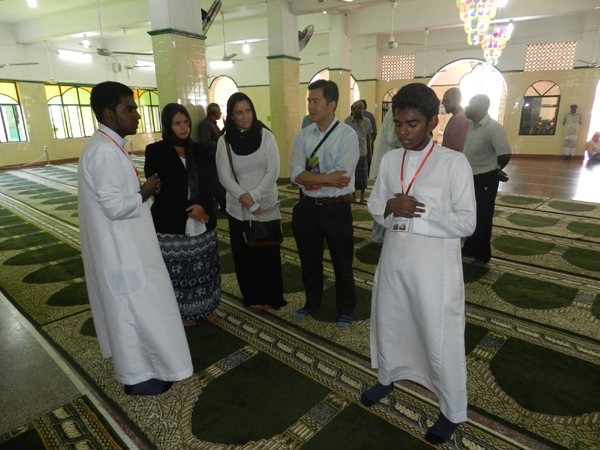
255 159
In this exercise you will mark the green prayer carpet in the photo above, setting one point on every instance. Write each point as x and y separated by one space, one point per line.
261 398
534 294
546 381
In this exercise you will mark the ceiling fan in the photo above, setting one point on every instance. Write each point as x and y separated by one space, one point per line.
392 44
227 57
593 62
2 66
102 50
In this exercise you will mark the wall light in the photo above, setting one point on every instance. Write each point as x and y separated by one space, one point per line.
220 64
86 43
32 3
246 48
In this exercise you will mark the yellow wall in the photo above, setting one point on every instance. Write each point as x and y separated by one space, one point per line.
39 132
575 86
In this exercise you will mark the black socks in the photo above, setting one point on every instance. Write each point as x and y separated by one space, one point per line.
372 396
441 431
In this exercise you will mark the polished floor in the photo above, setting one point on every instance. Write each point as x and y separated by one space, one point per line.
35 379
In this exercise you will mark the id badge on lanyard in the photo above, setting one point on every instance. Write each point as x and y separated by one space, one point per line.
312 165
402 224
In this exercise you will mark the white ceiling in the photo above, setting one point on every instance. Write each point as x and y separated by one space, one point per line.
63 22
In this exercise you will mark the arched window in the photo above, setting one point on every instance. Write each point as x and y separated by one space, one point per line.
324 75
70 111
386 104
220 90
12 128
147 102
540 109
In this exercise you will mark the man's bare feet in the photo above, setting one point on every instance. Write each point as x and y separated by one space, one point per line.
189 323
212 317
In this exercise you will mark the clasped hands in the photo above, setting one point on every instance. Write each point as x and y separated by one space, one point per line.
247 201
197 212
404 206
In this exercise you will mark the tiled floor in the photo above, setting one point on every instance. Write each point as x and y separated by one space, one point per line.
35 379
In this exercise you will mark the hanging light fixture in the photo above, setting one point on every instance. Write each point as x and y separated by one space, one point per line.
32 3
494 42
476 15
246 48
86 43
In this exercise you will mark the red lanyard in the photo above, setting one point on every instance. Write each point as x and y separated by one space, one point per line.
416 173
125 153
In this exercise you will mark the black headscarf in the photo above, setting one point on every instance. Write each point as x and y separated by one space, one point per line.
242 142
168 135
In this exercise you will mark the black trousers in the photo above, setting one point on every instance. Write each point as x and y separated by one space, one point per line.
478 245
311 224
258 269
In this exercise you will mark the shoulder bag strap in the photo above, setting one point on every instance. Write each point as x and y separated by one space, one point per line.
323 140
231 161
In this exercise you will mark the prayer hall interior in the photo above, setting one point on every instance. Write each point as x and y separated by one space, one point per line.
265 379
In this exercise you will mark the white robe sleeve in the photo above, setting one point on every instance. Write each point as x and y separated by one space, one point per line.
380 195
460 219
109 175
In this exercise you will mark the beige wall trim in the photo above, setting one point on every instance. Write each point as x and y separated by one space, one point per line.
176 31
342 70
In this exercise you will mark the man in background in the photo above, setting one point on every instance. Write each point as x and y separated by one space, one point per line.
488 152
209 138
456 128
571 122
593 147
368 115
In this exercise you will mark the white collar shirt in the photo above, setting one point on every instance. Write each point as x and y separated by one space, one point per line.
485 141
338 153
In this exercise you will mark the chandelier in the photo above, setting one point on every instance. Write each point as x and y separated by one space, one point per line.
494 42
476 15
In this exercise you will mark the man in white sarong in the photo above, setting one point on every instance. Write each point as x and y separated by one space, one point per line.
571 122
135 313
425 199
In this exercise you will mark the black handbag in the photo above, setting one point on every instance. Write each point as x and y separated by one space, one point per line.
256 233
262 234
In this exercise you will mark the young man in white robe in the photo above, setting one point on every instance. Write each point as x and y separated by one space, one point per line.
425 199
135 313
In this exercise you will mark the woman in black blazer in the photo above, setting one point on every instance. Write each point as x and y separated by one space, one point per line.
184 217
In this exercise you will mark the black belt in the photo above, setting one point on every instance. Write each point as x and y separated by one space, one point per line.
327 200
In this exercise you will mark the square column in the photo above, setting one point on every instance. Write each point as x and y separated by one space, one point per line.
284 85
180 63
284 79
342 78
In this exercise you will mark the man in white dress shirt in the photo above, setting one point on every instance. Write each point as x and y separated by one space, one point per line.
135 313
327 179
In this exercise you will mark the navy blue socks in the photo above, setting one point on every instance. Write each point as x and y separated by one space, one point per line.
441 431
372 396
148 387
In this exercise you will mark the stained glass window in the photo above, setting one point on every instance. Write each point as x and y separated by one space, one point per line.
12 127
70 111
147 102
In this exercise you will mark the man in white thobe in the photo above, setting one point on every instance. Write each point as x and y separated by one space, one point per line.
425 199
571 122
387 141
135 313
